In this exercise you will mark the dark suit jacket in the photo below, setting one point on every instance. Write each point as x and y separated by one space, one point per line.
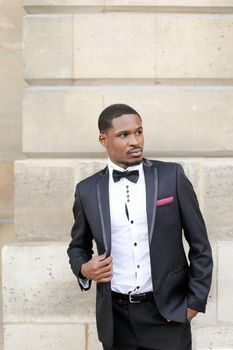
177 283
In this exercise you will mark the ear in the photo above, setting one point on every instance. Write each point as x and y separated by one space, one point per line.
103 139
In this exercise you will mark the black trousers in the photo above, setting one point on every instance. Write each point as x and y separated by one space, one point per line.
140 326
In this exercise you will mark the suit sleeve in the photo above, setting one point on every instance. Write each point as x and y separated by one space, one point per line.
200 255
80 247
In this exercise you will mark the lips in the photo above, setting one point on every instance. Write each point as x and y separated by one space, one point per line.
135 150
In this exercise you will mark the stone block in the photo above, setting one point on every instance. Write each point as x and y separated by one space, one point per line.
44 336
210 316
225 281
44 192
217 189
61 120
114 46
194 46
48 47
39 286
177 128
63 2
6 189
93 342
216 338
11 86
44 195
132 3
43 198
170 3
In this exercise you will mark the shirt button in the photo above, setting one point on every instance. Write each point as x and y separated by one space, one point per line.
138 266
135 244
131 221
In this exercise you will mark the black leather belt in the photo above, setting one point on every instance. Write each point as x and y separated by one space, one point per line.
133 298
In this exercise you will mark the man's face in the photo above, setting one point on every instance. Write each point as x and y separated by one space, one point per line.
124 140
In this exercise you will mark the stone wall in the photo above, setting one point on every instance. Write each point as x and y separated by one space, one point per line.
172 61
11 91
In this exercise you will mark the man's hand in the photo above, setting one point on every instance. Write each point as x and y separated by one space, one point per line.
191 314
98 269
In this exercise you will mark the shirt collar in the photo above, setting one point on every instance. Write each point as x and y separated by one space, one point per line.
112 166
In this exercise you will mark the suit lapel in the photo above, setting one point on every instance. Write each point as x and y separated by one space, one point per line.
103 206
151 181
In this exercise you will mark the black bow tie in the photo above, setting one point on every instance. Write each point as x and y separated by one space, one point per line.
132 175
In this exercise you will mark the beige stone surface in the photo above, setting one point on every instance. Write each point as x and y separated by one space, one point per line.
177 120
48 47
39 286
44 193
44 336
120 49
157 44
216 338
194 46
178 3
210 316
44 198
62 2
6 235
93 342
11 79
6 190
61 120
217 189
160 3
225 281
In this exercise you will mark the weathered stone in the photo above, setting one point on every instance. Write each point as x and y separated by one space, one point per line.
131 3
63 2
44 192
44 336
6 189
93 342
217 189
44 197
64 120
201 52
174 128
39 286
123 38
210 316
216 338
225 281
48 47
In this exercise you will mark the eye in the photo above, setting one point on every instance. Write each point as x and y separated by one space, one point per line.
139 132
122 136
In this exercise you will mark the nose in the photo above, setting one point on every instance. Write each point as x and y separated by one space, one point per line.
134 140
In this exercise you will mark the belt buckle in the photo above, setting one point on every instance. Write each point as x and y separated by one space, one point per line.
133 301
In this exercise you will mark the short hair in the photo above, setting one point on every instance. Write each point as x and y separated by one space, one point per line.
111 112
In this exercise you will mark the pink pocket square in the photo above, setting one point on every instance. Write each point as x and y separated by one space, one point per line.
164 201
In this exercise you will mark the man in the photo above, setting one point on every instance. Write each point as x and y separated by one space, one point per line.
135 210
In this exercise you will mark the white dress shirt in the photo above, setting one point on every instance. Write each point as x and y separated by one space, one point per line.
129 233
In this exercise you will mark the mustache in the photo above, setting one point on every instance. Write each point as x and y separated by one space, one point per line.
135 149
